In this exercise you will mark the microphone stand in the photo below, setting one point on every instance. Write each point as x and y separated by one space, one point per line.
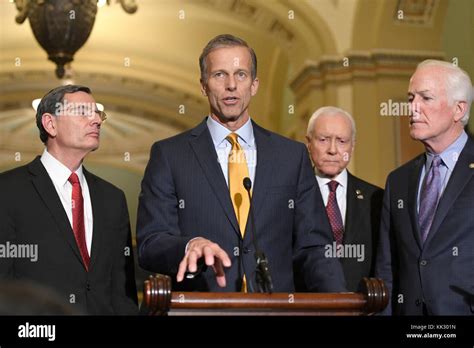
262 272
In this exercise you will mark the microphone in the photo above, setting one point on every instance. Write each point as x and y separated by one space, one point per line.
262 272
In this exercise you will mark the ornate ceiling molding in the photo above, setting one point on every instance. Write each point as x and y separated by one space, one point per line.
261 18
357 65
128 95
140 113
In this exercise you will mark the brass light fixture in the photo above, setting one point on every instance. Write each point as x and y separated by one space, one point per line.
62 26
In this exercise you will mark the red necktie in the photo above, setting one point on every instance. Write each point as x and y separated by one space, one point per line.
78 218
334 214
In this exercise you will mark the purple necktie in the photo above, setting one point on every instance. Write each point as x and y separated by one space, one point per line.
429 197
334 214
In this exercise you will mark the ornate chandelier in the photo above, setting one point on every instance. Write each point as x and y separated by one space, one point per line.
62 27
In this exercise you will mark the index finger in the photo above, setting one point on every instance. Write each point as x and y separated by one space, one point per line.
182 269
222 255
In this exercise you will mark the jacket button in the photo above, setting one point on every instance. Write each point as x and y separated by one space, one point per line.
246 250
423 262
418 302
88 287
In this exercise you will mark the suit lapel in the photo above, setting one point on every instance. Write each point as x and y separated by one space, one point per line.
460 176
45 188
97 216
413 184
353 210
203 147
264 166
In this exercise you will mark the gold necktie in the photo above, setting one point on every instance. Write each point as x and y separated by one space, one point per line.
238 170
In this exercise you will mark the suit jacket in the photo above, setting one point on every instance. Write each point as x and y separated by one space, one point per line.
185 195
435 277
31 213
364 204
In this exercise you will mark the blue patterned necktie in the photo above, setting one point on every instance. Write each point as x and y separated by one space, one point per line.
334 214
429 197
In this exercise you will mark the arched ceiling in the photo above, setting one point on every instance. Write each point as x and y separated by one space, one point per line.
162 41
144 66
164 28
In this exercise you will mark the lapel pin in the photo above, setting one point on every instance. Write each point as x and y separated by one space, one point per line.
359 194
471 166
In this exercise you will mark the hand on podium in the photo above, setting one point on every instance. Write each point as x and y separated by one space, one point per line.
214 256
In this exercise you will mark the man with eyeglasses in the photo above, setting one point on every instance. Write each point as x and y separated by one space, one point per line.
62 226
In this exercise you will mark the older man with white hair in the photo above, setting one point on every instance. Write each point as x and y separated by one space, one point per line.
426 251
352 204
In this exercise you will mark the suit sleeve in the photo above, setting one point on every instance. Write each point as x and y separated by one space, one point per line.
376 204
124 296
312 233
385 254
160 244
7 230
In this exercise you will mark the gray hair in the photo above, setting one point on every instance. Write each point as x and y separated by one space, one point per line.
48 104
330 110
458 83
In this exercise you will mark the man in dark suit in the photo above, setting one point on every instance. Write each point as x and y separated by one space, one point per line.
186 213
352 205
427 233
72 227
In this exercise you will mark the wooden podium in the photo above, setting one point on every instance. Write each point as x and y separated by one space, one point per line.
159 300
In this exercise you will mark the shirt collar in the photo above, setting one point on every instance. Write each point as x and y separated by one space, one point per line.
341 178
57 171
219 132
451 154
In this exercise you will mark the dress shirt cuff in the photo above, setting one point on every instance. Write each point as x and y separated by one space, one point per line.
187 245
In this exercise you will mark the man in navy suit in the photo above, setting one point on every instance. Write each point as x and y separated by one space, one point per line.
353 205
427 232
192 211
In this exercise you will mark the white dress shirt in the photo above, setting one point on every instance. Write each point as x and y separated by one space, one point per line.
246 139
341 191
59 175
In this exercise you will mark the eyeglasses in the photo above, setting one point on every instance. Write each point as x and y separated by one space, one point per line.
102 115
85 112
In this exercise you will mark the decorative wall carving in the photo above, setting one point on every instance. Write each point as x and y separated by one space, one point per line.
414 11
